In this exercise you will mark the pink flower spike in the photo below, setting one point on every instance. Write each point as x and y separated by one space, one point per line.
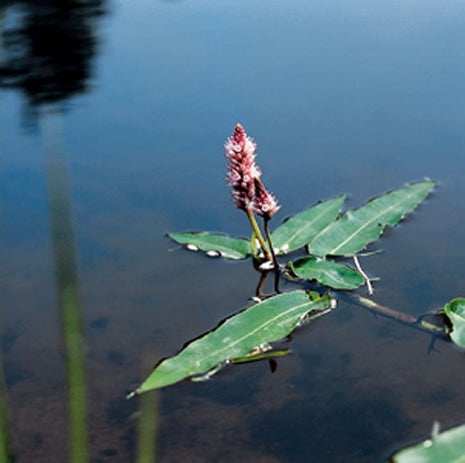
265 204
242 170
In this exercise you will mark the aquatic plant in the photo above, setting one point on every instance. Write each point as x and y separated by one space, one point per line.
326 235
321 230
441 447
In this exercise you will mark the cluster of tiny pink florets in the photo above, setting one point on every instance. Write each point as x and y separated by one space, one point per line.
242 169
265 203
248 191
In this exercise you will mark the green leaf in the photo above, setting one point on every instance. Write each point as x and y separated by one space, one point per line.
446 447
327 273
261 355
455 312
267 321
357 228
300 229
214 244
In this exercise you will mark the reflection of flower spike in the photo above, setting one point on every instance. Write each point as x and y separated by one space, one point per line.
265 204
242 170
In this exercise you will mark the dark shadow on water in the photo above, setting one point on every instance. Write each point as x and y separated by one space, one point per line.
48 49
116 358
15 373
354 426
99 324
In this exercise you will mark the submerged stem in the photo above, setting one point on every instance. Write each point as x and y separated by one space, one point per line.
273 255
261 283
409 320
258 233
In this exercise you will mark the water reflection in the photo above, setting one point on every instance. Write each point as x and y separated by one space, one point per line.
49 47
62 234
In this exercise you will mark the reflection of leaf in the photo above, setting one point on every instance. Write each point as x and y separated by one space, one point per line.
455 312
265 322
214 244
300 229
446 447
359 227
327 273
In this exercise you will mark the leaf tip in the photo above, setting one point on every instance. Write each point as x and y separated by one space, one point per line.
432 184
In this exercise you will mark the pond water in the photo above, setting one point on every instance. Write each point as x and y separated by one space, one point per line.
112 121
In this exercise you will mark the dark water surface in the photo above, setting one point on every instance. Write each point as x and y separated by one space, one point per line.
117 112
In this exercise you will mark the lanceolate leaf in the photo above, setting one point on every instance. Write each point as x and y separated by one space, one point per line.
455 312
327 273
214 244
357 228
300 229
244 333
446 447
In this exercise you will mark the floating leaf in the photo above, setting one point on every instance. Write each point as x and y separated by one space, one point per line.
242 334
455 312
214 244
327 273
357 228
300 229
447 447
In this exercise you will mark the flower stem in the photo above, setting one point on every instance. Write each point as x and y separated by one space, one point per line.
273 255
258 233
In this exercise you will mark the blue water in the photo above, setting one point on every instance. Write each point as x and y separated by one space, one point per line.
341 97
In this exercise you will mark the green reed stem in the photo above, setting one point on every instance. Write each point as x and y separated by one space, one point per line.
148 428
5 449
65 262
72 330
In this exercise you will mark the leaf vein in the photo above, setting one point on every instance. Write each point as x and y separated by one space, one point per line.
250 333
366 224
308 224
